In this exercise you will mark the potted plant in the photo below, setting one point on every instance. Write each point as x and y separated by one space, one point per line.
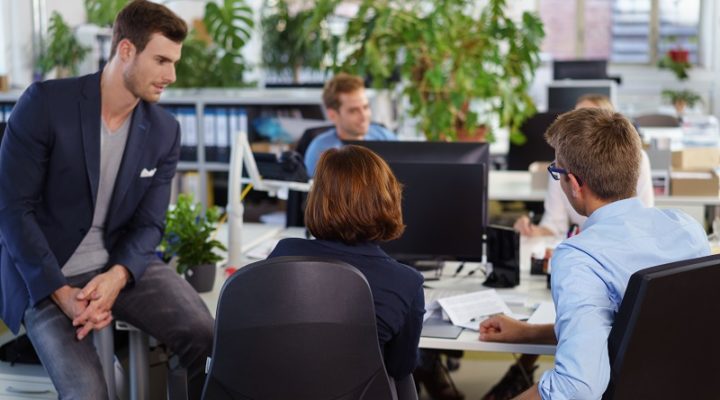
63 51
681 99
212 52
462 64
288 43
189 238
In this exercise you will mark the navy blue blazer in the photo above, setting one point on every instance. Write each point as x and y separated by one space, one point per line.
397 293
49 174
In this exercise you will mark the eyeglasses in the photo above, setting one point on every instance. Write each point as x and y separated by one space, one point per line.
556 171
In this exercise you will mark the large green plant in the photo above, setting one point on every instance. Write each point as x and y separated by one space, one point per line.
103 12
290 42
63 51
189 234
454 57
217 61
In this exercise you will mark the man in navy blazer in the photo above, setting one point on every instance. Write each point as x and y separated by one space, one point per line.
85 171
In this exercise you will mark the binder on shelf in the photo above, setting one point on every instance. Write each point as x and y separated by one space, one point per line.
188 128
5 110
222 135
209 134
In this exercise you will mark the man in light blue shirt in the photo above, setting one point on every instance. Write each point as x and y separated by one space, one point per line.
597 164
348 108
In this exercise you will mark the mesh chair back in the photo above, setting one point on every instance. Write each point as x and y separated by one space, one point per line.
308 136
296 327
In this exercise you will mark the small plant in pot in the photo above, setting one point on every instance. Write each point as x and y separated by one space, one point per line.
681 99
189 239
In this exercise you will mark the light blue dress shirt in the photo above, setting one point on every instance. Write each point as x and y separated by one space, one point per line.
590 273
330 139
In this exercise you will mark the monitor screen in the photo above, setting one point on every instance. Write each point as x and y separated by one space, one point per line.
444 210
562 95
448 152
663 343
580 69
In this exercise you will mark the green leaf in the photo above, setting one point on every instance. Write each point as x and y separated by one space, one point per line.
229 25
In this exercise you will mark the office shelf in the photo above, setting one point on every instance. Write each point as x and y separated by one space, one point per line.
196 104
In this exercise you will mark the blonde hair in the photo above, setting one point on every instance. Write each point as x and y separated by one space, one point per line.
598 100
601 148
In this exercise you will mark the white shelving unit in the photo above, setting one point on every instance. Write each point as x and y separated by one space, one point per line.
255 102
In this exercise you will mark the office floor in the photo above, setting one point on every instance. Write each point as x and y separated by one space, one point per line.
480 371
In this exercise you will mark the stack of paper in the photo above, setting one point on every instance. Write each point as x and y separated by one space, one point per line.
467 310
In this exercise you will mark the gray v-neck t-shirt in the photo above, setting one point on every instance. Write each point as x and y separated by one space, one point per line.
91 254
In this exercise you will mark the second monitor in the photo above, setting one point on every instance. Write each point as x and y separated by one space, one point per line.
444 198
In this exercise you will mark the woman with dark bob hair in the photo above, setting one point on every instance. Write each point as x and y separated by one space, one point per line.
354 203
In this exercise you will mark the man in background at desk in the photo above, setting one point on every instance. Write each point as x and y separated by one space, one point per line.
597 156
87 165
348 108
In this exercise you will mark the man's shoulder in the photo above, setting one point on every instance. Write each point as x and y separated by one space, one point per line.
156 111
324 140
379 132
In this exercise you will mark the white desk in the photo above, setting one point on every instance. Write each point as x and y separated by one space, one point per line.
512 186
533 288
515 186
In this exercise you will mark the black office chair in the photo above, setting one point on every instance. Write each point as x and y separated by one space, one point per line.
535 148
664 343
296 328
308 136
296 200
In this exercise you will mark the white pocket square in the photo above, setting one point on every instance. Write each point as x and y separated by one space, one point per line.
145 173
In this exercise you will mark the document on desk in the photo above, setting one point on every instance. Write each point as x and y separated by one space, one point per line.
467 310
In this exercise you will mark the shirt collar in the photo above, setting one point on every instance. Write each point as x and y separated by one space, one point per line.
365 249
613 209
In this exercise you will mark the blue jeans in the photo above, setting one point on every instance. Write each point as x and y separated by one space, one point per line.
160 303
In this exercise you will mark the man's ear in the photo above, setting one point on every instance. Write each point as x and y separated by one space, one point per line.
333 115
575 188
125 49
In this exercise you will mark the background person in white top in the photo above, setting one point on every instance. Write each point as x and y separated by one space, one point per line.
559 214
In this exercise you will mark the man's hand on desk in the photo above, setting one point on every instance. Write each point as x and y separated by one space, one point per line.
501 328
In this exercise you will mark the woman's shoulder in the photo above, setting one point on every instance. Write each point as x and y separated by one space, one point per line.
291 247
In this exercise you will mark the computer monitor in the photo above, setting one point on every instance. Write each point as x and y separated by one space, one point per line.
444 210
664 343
414 151
562 95
535 148
434 152
580 69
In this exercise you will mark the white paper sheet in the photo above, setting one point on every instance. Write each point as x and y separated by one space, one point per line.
467 310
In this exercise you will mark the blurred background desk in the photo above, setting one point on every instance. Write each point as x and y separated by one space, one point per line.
516 186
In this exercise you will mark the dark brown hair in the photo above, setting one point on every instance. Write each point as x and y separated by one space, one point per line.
140 19
340 83
601 148
355 198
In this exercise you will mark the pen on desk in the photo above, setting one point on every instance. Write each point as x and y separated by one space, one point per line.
459 269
